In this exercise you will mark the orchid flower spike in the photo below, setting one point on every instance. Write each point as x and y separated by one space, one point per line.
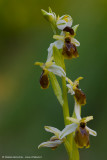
67 42
55 140
47 67
81 131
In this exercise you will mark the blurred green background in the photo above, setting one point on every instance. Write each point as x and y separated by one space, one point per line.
24 107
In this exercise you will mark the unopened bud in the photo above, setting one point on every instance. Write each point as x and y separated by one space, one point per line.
50 17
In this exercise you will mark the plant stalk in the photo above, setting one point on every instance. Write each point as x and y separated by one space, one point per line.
70 145
65 105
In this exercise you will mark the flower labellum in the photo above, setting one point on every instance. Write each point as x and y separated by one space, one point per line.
80 96
73 88
44 80
69 49
82 136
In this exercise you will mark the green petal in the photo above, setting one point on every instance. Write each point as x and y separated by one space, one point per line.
87 119
58 37
74 120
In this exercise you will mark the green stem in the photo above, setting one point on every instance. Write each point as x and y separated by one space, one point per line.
70 145
68 142
75 151
65 105
68 149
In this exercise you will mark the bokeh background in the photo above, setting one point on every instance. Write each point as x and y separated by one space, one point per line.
24 107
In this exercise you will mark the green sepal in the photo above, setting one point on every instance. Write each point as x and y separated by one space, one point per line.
56 87
75 28
50 10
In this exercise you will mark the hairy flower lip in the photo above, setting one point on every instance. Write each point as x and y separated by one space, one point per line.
69 50
44 80
82 137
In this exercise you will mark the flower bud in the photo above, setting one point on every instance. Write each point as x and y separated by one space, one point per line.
50 17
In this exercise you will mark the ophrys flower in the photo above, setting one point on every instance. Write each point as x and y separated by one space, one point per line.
47 67
67 42
80 129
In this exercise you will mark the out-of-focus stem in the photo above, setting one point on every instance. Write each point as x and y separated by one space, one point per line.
68 142
68 149
65 105
70 145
